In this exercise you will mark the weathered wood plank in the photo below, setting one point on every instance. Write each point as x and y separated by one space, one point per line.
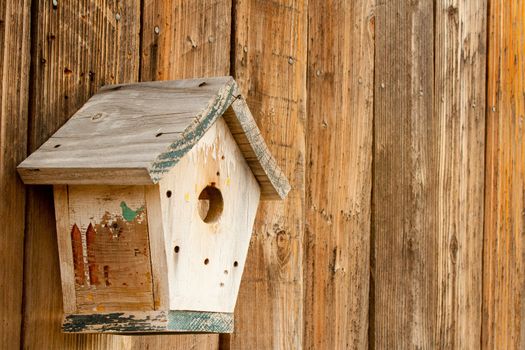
185 39
192 40
77 47
270 68
504 244
428 175
14 82
405 198
339 177
459 106
153 321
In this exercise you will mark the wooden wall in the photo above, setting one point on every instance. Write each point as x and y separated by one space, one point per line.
400 125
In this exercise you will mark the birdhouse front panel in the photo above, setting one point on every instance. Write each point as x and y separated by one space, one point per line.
209 201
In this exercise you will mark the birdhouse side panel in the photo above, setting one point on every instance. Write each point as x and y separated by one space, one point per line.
209 202
108 249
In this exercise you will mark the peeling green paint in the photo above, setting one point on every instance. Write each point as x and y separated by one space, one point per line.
127 213
173 321
193 133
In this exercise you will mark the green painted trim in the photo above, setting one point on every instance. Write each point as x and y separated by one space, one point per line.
150 322
200 322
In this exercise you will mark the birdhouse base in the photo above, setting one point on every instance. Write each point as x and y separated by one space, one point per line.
149 322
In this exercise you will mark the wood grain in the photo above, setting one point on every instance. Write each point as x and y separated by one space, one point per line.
14 84
459 107
193 41
504 244
269 64
404 254
338 176
77 46
428 175
185 39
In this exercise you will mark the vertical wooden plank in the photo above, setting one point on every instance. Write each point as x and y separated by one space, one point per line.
504 244
14 81
405 181
185 39
459 107
338 177
77 47
428 181
270 66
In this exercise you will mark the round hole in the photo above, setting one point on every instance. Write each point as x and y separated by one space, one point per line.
218 173
168 194
56 146
206 261
210 204
176 249
235 264
225 272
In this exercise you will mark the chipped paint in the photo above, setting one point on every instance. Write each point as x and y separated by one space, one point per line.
150 322
193 133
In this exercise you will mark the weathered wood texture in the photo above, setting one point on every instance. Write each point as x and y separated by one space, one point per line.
192 40
403 308
77 47
185 39
269 64
504 244
427 98
338 173
14 82
428 175
459 108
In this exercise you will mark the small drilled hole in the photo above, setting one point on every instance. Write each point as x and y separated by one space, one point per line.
56 146
222 284
206 261
210 204
218 173
168 194
159 134
235 264
176 249
225 272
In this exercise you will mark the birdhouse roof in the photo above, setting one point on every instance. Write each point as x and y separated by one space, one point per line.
136 133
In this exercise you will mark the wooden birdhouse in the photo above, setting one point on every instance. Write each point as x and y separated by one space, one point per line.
156 187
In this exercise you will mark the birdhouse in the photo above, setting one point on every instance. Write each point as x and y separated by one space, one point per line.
156 187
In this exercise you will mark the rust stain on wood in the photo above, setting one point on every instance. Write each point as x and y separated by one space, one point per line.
92 264
78 257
